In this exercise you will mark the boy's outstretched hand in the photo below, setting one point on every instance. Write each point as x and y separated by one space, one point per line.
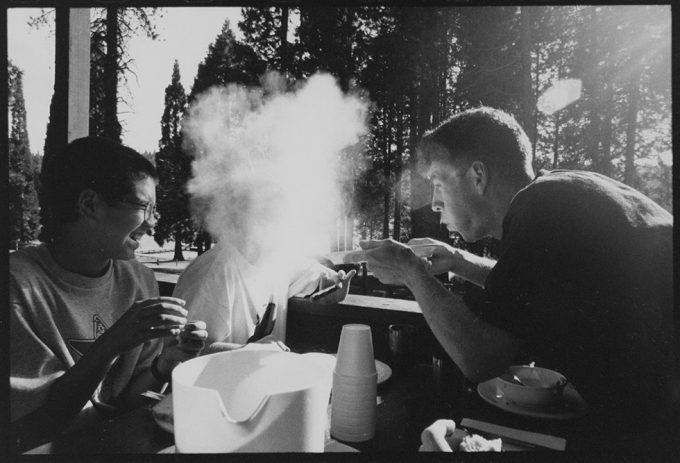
334 289
147 319
186 345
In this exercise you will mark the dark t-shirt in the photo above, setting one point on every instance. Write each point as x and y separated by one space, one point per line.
584 281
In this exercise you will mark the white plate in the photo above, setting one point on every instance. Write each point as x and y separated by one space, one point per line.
571 406
382 369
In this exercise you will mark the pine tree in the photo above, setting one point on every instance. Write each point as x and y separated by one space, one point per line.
97 59
23 200
266 31
110 62
129 22
228 61
491 64
410 64
173 168
327 36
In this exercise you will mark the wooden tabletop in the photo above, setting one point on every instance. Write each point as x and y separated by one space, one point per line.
408 402
400 419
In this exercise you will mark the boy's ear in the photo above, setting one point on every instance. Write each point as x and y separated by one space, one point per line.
480 175
88 203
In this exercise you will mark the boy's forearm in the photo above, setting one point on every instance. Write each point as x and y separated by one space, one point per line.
479 349
75 387
472 267
67 396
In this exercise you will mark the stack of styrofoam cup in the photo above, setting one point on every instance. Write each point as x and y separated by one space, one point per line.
355 384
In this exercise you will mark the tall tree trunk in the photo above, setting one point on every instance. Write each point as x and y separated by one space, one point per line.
442 67
556 134
629 175
56 137
534 139
526 93
397 173
178 248
346 64
386 171
420 191
605 165
111 127
556 141
22 228
593 87
203 241
283 37
386 215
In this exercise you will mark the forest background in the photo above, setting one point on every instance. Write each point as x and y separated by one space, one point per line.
417 66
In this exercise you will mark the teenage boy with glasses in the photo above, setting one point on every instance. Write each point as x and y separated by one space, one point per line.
86 319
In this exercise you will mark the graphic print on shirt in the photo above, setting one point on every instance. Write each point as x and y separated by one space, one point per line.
80 346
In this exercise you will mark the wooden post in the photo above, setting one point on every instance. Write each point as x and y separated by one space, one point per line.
79 73
72 72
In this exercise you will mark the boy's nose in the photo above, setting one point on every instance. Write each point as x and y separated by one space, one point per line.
151 221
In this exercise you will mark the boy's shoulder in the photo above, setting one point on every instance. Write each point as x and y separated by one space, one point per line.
210 262
27 260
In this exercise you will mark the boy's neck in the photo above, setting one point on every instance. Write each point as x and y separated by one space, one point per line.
78 258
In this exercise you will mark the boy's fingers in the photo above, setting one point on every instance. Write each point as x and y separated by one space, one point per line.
195 325
434 436
161 300
350 274
196 335
172 300
163 307
372 244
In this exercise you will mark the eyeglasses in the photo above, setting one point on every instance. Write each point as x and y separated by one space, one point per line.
149 208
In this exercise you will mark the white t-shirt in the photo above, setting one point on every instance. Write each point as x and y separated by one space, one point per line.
222 288
56 315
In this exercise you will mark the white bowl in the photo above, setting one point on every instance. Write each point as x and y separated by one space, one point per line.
539 386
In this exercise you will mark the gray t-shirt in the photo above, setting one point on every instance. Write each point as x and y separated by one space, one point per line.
56 315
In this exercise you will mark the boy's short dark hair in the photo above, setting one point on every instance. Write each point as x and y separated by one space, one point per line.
96 163
483 133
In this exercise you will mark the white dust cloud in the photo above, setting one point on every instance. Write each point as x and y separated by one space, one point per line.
266 163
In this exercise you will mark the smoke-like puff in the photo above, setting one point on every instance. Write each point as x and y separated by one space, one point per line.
266 162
